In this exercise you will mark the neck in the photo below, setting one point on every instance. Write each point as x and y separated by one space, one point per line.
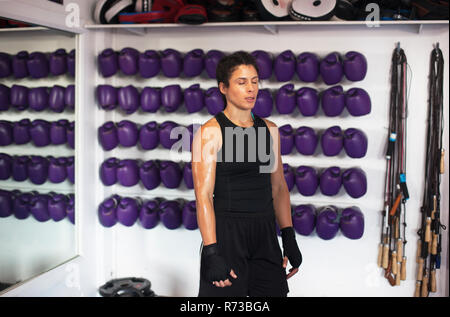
238 115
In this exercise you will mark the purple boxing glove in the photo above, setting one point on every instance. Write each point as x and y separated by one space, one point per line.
355 182
308 67
304 219
264 62
352 223
332 141
333 101
150 175
331 69
108 62
189 215
150 99
355 143
263 104
148 215
211 60
193 63
128 61
327 225
127 211
286 99
170 214
331 181
358 102
107 212
306 180
107 97
355 66
149 64
284 66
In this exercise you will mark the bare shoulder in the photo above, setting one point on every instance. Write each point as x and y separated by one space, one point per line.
210 130
269 123
211 123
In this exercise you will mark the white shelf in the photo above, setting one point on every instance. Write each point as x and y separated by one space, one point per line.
263 23
271 26
25 29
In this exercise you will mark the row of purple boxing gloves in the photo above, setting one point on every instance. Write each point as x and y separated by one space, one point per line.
327 221
152 173
37 169
175 213
56 98
127 210
150 99
330 180
42 207
308 66
38 131
37 64
127 134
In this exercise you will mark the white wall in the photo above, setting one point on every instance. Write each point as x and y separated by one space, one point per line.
340 267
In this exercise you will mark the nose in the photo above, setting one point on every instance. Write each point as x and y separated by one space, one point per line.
251 86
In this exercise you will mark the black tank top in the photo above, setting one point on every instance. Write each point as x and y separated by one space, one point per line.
240 185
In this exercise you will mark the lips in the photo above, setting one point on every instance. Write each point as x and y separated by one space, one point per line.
250 99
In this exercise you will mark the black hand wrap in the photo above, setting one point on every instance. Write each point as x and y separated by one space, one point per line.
290 247
215 267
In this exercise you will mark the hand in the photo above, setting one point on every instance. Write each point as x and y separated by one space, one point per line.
292 270
226 282
291 251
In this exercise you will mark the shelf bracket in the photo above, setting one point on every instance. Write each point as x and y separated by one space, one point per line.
137 31
419 28
271 28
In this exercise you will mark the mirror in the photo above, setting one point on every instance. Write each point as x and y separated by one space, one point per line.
37 121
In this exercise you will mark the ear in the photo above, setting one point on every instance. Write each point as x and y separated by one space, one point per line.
223 89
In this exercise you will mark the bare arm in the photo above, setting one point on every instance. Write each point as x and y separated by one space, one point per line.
280 191
204 151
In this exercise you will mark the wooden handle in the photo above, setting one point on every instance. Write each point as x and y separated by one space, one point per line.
385 256
399 248
380 254
403 269
428 230
394 262
433 281
419 250
397 277
424 290
417 291
397 228
442 161
395 205
434 244
420 270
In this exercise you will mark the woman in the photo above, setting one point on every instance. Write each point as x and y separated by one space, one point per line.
237 201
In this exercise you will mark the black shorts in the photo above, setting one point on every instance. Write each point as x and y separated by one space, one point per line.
249 244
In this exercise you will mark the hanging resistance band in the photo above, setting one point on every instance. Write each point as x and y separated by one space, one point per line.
391 251
429 244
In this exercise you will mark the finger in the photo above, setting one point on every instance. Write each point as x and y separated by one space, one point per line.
233 275
285 261
227 282
292 271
